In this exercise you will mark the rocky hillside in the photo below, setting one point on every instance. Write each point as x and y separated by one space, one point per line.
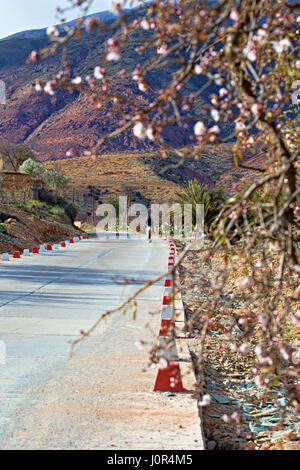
51 125
26 227
145 175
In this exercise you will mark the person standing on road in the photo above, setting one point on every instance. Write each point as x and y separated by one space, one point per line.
149 229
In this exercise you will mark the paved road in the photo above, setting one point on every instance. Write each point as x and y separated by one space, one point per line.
101 398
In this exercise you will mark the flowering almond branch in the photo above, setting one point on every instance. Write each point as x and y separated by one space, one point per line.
223 72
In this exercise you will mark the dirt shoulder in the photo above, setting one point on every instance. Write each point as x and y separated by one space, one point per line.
227 374
20 229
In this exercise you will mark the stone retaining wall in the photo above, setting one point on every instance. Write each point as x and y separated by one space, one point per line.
15 188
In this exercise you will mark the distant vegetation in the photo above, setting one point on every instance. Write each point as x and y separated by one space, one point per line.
195 193
32 168
13 156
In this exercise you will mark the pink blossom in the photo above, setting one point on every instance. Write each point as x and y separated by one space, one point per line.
239 125
263 317
259 381
38 86
234 14
284 354
255 108
250 51
34 56
236 417
258 351
215 284
70 153
261 36
214 129
226 418
198 69
245 282
145 24
223 92
113 56
162 50
139 344
116 7
142 86
52 31
295 319
49 88
90 23
218 79
244 348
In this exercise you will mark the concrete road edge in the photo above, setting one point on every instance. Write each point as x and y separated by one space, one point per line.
185 360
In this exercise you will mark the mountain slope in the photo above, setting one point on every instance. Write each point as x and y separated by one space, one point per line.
51 125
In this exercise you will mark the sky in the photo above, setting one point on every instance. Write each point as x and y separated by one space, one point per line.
20 15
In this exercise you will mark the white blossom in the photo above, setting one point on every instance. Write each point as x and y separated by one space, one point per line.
199 128
206 399
223 92
49 89
215 115
98 72
234 14
145 25
77 81
52 31
250 51
239 125
198 69
113 56
244 348
284 354
139 130
282 46
149 133
214 129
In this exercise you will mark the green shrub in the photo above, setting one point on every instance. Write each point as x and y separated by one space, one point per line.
35 204
58 211
2 229
31 167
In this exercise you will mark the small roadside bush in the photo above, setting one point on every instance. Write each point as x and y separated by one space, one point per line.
31 168
58 211
2 229
50 197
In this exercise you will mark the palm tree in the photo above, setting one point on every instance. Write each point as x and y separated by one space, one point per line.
195 193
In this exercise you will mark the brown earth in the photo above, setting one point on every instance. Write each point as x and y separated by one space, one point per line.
20 229
226 374
148 177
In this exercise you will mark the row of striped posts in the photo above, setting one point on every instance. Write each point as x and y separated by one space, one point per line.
168 378
42 248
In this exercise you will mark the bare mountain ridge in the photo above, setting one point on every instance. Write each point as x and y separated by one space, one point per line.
53 125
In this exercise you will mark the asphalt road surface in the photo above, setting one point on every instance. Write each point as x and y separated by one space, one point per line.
102 397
